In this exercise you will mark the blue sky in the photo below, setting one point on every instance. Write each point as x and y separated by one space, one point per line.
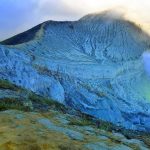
14 16
19 15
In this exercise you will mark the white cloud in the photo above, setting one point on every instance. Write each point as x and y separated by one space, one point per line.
37 11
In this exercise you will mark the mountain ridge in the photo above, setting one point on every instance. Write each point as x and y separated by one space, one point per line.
106 15
95 67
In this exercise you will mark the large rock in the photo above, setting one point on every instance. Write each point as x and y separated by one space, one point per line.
94 65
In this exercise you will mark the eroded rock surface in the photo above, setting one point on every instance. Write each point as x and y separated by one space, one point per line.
94 65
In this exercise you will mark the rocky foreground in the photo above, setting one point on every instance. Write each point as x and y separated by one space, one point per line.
55 131
32 122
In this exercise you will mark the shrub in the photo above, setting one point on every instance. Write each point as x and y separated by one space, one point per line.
12 103
80 122
5 84
46 101
68 147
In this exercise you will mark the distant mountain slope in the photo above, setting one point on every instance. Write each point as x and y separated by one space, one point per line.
23 37
94 65
96 35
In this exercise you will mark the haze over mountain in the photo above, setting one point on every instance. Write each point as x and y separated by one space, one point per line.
25 14
94 65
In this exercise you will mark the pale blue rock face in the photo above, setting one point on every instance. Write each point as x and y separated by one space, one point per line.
94 65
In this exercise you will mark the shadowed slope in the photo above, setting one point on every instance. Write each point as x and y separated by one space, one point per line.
23 37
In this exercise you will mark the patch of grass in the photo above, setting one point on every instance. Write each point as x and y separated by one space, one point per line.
87 120
107 126
80 122
45 101
5 84
68 147
146 139
12 103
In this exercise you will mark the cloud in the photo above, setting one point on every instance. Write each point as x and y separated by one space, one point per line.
15 15
55 10
19 15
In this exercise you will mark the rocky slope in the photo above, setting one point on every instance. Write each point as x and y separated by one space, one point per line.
31 122
93 65
52 131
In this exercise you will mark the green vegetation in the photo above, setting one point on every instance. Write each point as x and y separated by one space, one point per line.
12 103
79 119
106 126
68 147
80 122
4 84
87 120
45 101
39 101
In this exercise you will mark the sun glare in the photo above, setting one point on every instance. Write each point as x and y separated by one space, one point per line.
129 8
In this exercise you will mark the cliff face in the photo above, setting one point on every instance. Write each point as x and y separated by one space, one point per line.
94 65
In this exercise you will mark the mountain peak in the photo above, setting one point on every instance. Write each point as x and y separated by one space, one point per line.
100 35
107 15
